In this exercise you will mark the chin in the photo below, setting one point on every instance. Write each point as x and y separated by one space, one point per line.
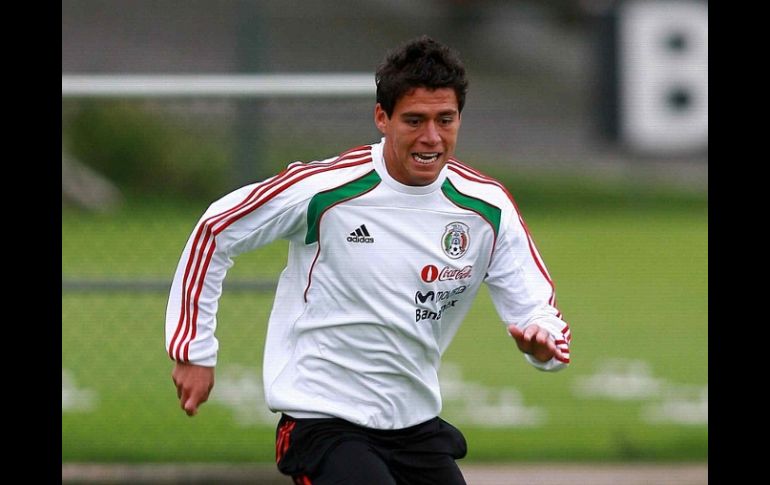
424 178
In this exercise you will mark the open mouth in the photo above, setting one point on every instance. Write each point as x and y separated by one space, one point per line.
425 158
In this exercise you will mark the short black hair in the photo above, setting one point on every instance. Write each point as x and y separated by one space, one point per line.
420 62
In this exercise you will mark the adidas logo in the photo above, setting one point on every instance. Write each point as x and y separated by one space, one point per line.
360 235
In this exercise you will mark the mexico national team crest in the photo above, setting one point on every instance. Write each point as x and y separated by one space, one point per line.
456 240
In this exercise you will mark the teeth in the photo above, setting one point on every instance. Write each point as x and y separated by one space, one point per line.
425 157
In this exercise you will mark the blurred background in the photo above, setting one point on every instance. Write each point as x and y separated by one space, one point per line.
594 113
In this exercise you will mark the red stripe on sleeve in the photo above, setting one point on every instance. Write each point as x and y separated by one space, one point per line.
186 295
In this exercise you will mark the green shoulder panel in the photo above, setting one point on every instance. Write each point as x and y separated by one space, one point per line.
486 210
324 200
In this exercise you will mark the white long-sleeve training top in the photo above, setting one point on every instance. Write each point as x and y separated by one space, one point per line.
379 277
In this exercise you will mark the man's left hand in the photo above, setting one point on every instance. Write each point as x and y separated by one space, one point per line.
536 341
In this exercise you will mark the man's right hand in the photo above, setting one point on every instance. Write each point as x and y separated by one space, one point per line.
193 385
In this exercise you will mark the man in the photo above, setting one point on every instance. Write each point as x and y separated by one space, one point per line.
389 244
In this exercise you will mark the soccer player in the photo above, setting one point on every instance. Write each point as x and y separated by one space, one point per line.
389 244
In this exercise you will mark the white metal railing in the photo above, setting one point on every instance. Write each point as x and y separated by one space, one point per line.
241 85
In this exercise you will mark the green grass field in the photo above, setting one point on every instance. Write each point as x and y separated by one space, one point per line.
632 281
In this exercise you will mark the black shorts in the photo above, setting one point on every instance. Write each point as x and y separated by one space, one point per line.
326 451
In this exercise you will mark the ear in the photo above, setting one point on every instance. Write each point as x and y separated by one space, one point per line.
381 119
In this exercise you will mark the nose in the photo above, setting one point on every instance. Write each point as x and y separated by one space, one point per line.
430 135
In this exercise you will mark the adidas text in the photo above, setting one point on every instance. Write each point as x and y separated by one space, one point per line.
360 239
360 235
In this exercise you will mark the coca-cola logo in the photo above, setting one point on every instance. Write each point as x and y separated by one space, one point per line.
431 273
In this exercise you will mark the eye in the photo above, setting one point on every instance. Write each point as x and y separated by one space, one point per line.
412 121
446 120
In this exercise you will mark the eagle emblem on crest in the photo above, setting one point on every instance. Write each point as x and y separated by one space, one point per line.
456 240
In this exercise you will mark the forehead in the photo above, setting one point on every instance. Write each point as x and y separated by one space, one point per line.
422 99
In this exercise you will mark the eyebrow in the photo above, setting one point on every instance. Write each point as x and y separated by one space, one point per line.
411 114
